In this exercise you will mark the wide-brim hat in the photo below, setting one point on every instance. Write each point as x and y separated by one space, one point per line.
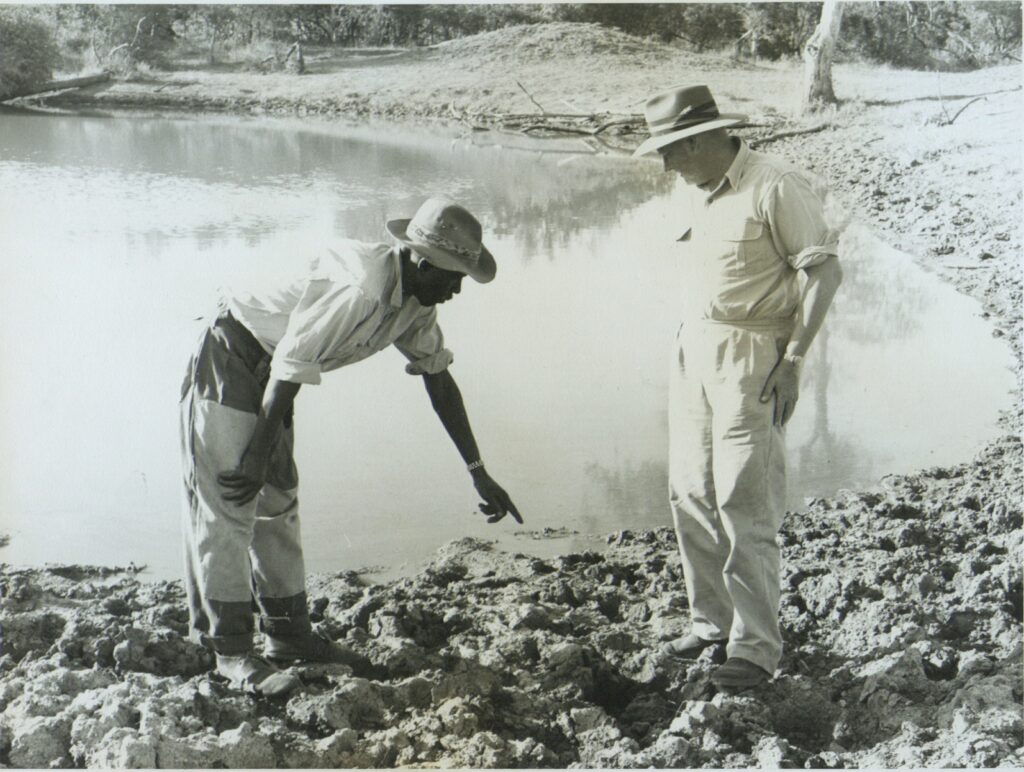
682 112
447 236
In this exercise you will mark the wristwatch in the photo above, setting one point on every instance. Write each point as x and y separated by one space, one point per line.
794 359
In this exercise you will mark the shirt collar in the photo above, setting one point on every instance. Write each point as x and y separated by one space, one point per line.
734 173
396 298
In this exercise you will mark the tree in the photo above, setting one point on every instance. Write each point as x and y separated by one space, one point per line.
818 54
28 53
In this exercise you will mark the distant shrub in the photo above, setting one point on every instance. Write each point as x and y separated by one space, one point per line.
112 37
28 54
933 35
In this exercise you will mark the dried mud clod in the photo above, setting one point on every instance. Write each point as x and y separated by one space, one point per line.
487 659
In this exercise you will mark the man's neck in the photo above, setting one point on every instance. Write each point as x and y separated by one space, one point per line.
724 156
405 269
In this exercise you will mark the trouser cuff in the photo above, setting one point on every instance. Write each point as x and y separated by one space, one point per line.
229 645
284 616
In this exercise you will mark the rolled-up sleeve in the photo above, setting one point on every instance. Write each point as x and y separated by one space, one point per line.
796 218
422 343
327 319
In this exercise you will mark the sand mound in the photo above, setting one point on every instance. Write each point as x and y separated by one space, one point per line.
527 43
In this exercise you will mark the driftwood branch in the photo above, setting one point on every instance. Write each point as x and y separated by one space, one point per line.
530 97
556 128
57 85
583 124
939 98
957 115
176 84
785 134
618 122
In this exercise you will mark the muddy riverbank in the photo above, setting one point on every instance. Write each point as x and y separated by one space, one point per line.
902 608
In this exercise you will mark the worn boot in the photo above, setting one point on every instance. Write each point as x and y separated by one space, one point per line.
256 675
738 674
690 646
309 647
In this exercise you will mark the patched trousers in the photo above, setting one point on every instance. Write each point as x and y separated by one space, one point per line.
727 483
240 560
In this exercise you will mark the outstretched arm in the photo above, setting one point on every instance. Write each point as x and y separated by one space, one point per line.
822 282
242 484
447 401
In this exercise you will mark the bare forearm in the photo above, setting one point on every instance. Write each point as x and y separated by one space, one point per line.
820 288
243 484
278 399
447 402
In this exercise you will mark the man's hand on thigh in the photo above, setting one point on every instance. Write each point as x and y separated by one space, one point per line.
784 383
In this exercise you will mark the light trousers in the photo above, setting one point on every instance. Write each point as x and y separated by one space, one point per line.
239 559
727 483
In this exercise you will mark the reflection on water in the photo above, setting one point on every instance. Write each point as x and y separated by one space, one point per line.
117 232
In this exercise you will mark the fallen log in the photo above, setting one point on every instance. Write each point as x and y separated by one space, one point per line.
786 134
57 85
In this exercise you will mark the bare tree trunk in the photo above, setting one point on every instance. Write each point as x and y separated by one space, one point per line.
57 85
818 53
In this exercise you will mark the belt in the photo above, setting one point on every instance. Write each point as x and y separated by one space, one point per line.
756 325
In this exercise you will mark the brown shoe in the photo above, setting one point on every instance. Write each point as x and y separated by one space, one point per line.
310 647
256 675
738 674
688 647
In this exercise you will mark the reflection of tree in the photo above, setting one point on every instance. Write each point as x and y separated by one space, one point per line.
544 205
631 496
540 200
824 461
878 300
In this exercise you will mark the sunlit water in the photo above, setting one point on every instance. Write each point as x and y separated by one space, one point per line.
115 234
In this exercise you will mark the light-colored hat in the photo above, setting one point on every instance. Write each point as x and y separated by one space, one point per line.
680 113
447 236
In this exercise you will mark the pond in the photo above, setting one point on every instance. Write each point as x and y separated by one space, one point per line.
117 233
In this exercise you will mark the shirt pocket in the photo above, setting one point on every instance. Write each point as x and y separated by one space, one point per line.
740 238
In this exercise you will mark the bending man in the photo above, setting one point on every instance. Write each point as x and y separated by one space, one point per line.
241 518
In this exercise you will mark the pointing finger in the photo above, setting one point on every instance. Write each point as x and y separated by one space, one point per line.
515 512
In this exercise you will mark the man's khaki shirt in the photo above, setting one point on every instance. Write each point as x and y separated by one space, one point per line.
343 307
748 240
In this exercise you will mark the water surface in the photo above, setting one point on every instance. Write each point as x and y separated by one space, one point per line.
116 234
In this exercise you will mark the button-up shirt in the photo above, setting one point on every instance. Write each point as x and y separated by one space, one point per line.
750 237
342 308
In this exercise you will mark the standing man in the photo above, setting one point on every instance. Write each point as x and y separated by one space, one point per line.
241 521
755 226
